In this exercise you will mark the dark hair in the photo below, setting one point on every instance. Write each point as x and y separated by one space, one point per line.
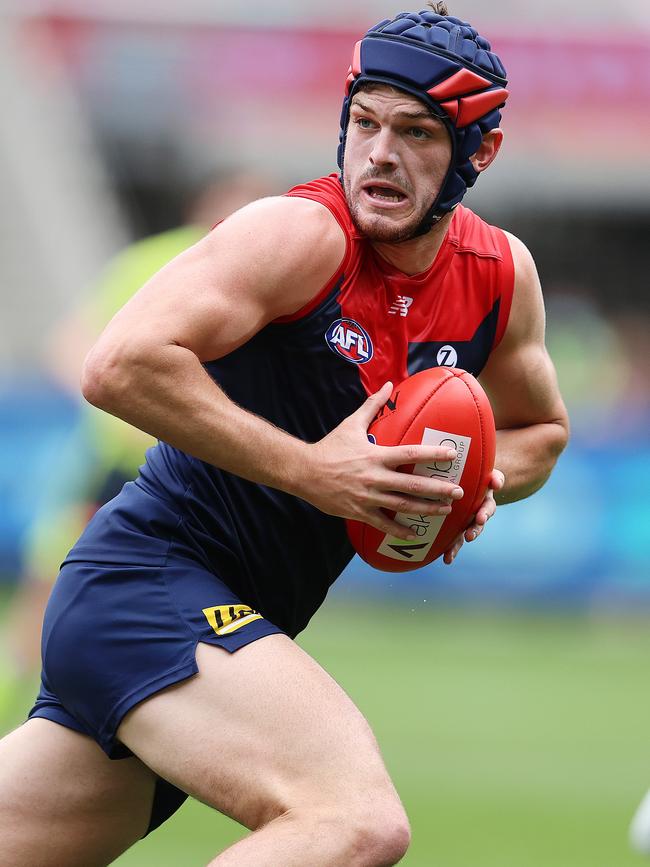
439 8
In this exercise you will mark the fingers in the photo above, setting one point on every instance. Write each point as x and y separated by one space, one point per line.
497 480
369 409
380 520
451 554
413 506
400 456
420 487
487 509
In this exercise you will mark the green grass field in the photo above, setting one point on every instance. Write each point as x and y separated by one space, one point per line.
514 740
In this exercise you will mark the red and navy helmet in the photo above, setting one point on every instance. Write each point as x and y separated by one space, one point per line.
446 64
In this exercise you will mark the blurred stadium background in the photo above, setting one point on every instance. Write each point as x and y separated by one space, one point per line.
510 692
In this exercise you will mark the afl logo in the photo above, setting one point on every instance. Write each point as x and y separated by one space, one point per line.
348 339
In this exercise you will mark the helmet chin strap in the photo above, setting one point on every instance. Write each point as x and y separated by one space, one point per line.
424 228
434 214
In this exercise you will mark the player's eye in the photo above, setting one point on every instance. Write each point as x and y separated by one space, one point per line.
418 133
364 122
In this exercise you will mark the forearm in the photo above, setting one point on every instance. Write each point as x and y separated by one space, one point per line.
167 393
527 456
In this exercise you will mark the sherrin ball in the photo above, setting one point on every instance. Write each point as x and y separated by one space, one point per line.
439 406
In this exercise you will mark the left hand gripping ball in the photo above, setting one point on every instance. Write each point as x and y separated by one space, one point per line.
439 406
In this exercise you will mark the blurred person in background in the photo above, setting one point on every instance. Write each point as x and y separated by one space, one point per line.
598 354
233 531
102 452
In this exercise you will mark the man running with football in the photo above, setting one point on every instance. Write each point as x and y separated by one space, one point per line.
258 358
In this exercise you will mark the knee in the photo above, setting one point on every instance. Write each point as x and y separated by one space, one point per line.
369 830
367 833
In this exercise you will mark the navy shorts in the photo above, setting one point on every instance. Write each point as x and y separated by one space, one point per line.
113 635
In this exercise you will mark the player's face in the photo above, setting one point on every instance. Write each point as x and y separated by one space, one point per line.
396 158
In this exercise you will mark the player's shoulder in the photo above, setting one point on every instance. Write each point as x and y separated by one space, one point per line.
284 249
521 255
527 303
284 228
292 211
472 234
527 313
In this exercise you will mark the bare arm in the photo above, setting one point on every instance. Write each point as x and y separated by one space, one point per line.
520 380
531 419
265 261
146 367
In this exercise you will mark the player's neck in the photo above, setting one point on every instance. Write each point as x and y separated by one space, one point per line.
417 255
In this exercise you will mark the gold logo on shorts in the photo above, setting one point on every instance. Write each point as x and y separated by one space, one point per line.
225 619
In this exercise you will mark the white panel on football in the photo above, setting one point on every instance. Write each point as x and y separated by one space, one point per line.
427 527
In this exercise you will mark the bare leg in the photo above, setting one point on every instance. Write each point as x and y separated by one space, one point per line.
63 802
268 738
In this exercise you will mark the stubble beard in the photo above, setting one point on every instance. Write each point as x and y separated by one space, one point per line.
379 228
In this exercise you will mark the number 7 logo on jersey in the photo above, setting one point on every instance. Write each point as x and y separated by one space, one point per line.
447 356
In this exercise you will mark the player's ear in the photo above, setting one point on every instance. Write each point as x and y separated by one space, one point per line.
488 150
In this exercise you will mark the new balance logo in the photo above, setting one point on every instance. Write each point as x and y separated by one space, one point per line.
401 305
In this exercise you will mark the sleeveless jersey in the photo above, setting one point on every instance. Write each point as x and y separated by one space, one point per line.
305 373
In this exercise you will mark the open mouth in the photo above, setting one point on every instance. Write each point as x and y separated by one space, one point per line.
385 194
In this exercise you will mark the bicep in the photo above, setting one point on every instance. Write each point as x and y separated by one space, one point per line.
521 384
202 300
248 271
520 377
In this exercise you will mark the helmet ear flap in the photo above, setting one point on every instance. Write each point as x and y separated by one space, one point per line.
343 132
469 141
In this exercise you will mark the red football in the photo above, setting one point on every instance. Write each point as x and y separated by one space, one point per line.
446 406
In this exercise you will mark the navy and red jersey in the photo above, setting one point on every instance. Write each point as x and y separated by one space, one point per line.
305 373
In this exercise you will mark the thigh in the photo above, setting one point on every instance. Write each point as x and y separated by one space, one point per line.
114 635
63 801
257 733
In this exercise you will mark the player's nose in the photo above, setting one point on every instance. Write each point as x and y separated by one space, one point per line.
383 152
